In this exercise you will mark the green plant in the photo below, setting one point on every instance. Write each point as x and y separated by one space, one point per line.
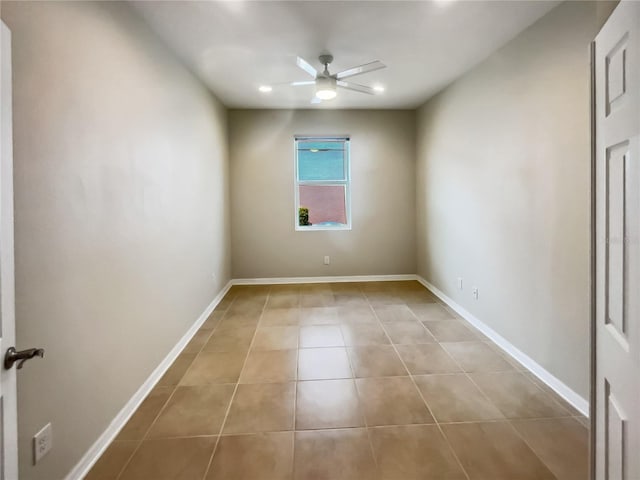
303 216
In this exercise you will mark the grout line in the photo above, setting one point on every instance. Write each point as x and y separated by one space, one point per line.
368 305
355 386
235 389
295 398
422 396
164 405
482 392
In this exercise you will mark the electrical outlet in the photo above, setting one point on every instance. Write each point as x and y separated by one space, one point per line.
327 260
42 443
475 292
459 283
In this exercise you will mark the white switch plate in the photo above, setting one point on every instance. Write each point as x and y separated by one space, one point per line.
42 443
327 260
475 292
459 283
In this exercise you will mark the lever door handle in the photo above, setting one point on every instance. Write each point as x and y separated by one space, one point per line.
12 356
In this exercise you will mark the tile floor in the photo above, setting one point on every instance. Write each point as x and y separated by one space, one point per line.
345 381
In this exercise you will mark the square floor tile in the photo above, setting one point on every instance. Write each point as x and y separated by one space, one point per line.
285 289
454 398
333 455
230 339
427 358
545 388
170 459
394 313
327 404
197 341
276 338
408 333
112 461
350 300
214 367
323 364
280 316
283 300
384 298
356 315
376 361
321 336
423 296
267 366
309 300
516 396
192 411
141 420
414 452
319 316
561 443
265 407
392 401
360 335
494 451
450 331
260 456
431 311
212 321
477 357
231 320
177 370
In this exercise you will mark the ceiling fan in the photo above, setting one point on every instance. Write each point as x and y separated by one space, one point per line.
327 83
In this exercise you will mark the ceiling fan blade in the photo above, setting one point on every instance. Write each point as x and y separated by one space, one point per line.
301 84
306 66
355 87
367 67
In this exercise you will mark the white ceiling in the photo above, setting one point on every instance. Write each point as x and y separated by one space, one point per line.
236 46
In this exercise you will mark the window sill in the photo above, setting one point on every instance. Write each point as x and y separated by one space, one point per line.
317 228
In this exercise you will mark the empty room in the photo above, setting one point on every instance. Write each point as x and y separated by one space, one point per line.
320 240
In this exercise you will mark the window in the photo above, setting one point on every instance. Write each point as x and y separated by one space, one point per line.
322 183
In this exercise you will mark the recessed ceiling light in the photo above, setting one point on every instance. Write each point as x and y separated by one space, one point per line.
265 88
378 88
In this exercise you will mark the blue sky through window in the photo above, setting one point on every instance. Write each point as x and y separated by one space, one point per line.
321 161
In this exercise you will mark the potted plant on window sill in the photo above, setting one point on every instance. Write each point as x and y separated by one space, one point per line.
303 217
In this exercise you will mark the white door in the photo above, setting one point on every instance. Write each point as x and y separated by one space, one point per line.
8 415
617 330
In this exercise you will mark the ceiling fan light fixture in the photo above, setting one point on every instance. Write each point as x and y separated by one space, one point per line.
326 88
265 88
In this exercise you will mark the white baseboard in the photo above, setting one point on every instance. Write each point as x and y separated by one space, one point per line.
100 445
352 278
581 404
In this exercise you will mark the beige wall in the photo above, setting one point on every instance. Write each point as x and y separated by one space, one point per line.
121 219
265 243
503 190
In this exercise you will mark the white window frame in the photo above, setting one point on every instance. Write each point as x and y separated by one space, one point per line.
346 183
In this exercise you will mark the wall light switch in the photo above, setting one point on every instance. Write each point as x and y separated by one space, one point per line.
475 292
327 260
459 283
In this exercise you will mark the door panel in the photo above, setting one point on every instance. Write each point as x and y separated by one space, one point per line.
617 233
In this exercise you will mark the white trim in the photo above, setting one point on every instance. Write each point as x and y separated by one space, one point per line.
100 445
8 408
580 403
339 279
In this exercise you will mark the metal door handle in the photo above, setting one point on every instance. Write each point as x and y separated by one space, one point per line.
12 356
